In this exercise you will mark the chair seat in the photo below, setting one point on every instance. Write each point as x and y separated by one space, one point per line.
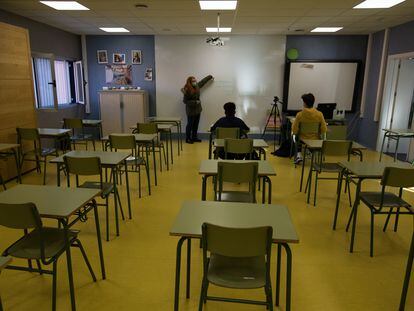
236 196
28 247
107 188
391 200
240 272
328 167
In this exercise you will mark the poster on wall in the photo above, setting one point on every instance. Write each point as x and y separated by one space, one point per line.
148 74
118 58
136 56
118 74
102 56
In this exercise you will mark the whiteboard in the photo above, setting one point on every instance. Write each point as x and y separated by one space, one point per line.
329 82
247 70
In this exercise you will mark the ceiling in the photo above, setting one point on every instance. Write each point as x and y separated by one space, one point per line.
185 17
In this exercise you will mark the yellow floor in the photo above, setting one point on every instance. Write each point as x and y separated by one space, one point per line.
141 262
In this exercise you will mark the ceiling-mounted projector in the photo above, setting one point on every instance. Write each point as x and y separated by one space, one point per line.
216 41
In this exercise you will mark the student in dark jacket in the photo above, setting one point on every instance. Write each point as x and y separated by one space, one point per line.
191 91
230 120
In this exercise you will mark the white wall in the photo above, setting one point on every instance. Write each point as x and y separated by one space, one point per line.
247 70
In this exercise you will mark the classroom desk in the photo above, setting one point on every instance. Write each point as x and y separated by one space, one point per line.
175 121
208 168
314 146
60 204
12 149
258 144
362 171
407 272
109 160
193 214
91 123
144 139
395 134
59 136
4 261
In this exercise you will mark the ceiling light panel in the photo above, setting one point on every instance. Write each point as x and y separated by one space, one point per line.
113 29
65 5
326 29
215 29
377 4
218 5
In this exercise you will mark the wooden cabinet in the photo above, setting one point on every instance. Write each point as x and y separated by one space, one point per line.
122 109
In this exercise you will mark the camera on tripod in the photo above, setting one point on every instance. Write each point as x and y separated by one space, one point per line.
275 99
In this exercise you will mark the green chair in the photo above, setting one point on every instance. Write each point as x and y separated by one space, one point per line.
78 133
38 154
91 166
238 148
236 258
227 132
152 128
127 142
340 132
386 202
334 148
237 172
43 244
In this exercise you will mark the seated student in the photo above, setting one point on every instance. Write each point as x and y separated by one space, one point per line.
230 120
307 115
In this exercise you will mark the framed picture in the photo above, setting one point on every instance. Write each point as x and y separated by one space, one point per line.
118 74
148 74
136 56
102 56
118 58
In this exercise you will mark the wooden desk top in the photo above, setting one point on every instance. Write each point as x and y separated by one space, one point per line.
138 137
257 143
49 132
107 158
373 170
400 132
5 147
233 214
209 167
317 144
51 201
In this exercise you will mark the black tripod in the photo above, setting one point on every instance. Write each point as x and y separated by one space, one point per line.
275 113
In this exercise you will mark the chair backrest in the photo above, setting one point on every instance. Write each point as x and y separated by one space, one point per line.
237 172
238 146
31 134
398 177
147 128
20 216
310 128
73 123
237 242
227 132
122 142
83 166
336 148
337 132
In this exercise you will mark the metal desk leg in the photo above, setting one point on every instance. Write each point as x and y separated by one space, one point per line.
98 234
16 159
355 211
278 264
288 275
303 169
267 180
58 174
180 136
407 275
309 182
382 145
69 263
128 194
168 150
264 191
396 148
171 145
147 169
338 197
177 272
204 188
187 291
155 162
210 145
115 177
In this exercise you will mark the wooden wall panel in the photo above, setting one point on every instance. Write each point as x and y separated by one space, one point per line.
16 89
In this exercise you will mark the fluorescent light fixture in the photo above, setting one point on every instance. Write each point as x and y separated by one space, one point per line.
218 5
326 29
377 4
215 29
65 5
113 29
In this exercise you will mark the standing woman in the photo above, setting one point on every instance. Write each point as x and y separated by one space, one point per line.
191 91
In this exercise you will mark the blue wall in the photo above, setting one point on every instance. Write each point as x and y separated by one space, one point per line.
124 45
401 39
336 47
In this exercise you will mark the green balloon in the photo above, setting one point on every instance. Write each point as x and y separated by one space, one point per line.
292 54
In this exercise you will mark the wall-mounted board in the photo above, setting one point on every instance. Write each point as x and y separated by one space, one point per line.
330 82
